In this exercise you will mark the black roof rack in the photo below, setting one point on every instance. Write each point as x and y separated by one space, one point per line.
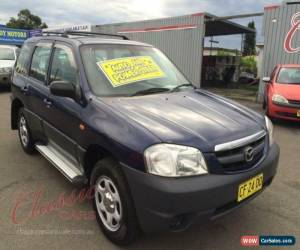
81 33
84 33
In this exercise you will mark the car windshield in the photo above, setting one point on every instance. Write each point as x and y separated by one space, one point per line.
289 76
126 70
7 54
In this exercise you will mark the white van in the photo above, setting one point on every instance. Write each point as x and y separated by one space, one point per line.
8 56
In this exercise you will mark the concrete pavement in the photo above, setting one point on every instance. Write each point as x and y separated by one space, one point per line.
32 215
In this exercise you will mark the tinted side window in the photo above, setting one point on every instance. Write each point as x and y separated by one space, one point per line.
63 65
40 62
24 59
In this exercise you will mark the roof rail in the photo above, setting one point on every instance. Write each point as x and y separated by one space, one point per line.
84 33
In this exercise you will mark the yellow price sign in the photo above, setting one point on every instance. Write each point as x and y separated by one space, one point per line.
123 71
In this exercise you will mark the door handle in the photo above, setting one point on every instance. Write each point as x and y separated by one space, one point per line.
48 103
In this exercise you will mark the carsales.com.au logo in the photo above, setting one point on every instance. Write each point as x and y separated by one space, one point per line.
255 240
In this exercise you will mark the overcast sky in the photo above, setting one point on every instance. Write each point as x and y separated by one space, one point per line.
63 12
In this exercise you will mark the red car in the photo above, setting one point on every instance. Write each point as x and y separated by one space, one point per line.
282 94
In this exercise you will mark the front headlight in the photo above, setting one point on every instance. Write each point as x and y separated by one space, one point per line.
174 160
270 128
6 70
279 99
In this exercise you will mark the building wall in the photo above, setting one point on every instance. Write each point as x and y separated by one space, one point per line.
63 28
180 38
260 57
277 26
207 51
214 67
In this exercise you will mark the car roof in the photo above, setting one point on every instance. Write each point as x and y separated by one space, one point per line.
8 46
79 40
289 65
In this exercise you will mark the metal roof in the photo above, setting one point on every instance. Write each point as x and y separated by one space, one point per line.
215 26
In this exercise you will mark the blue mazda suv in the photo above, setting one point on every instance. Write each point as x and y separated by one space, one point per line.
159 153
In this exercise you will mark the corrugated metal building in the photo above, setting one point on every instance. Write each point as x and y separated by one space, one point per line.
180 38
281 30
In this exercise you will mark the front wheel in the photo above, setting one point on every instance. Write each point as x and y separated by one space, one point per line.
24 133
264 106
113 204
267 113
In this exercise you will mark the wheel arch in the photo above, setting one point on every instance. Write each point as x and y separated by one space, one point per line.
93 154
15 107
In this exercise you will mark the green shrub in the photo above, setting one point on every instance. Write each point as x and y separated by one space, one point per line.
249 64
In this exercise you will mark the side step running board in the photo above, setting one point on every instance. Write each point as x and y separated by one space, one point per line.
67 168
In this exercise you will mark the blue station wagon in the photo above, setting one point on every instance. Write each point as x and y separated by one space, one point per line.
159 153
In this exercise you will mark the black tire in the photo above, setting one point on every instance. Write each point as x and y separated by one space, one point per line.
268 113
128 230
29 146
264 104
267 108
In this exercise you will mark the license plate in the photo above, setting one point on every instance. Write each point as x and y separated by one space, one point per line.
298 113
250 187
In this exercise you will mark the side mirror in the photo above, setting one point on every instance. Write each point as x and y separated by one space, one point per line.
63 89
266 79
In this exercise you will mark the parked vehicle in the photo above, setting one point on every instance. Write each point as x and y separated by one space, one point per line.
282 94
8 56
118 115
246 77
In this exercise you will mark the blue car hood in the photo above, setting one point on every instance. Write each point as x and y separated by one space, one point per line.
194 118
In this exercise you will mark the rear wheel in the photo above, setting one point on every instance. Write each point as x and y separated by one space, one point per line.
24 133
113 204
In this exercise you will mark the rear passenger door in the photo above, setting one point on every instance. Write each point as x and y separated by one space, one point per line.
62 127
38 90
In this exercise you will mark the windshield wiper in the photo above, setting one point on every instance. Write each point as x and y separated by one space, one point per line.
150 91
181 86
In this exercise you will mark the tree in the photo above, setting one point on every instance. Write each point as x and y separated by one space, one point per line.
26 20
250 41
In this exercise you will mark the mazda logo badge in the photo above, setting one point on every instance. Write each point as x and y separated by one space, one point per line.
248 154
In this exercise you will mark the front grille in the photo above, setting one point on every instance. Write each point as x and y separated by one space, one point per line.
290 115
294 102
234 160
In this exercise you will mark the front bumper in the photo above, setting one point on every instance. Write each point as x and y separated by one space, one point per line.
173 204
288 112
5 78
